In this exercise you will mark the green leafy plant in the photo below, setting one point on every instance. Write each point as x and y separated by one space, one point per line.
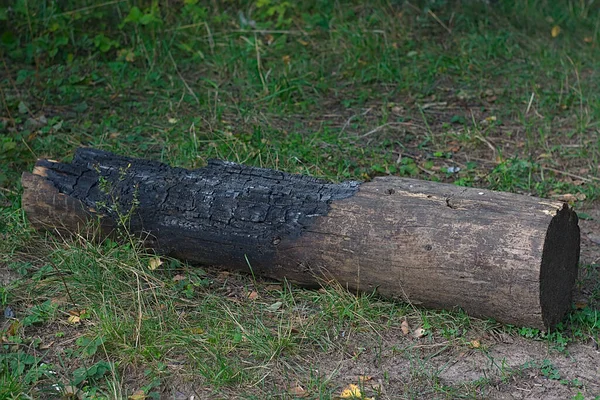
91 374
40 313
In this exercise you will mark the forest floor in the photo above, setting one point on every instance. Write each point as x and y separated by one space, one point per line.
503 96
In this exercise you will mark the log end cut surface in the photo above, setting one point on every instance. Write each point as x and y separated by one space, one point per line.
559 266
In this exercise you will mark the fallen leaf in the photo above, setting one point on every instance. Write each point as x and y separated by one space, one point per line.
580 196
73 319
77 313
364 378
196 331
303 42
286 59
555 31
138 395
419 333
178 278
173 120
405 328
475 343
351 392
253 295
274 288
298 391
588 39
275 306
223 275
154 263
13 328
566 197
581 305
46 346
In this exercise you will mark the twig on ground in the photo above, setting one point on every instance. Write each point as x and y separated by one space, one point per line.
351 118
581 178
183 80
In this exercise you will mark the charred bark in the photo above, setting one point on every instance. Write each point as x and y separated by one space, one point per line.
506 256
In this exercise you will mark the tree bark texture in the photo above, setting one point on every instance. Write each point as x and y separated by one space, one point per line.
510 257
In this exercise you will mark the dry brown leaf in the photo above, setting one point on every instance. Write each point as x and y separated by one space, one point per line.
253 295
588 39
298 391
178 278
364 378
223 275
45 346
405 327
566 197
475 343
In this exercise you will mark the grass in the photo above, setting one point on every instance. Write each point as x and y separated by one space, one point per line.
467 93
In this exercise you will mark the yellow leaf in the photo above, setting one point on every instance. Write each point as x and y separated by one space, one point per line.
138 395
475 343
154 263
555 31
303 42
73 319
351 392
286 59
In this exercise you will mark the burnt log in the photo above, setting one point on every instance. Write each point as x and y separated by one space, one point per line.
510 257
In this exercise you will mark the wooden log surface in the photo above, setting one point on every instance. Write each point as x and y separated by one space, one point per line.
510 257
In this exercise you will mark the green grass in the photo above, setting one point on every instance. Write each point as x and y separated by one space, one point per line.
341 91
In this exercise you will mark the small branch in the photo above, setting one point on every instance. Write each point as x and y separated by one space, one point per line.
183 80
